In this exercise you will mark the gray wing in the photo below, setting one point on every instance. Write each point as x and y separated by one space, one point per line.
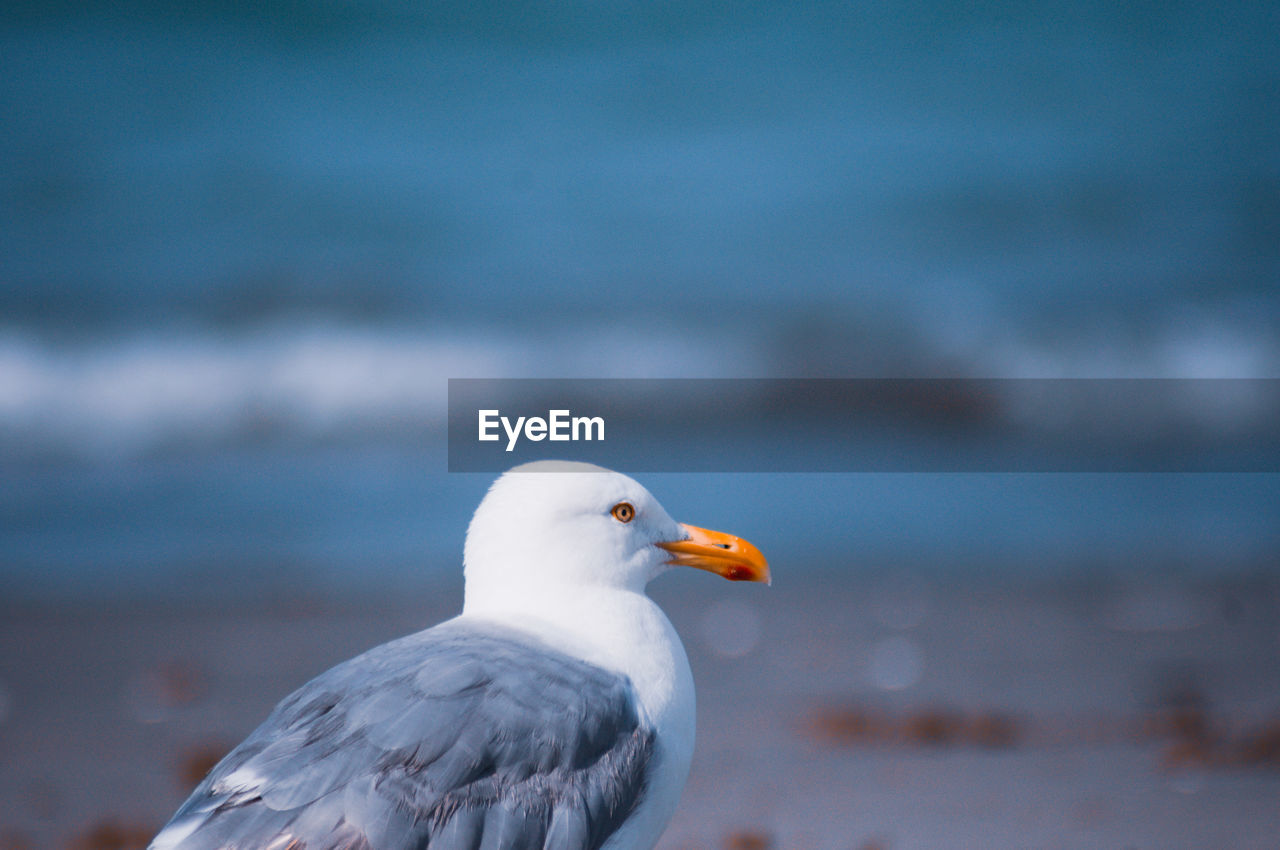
456 737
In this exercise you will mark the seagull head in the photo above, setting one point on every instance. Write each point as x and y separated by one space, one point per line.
556 523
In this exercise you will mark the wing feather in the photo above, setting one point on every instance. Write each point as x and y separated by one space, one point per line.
455 738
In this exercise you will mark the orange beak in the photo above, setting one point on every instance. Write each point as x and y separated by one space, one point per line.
720 553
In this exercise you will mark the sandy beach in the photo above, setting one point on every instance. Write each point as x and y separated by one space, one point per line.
833 712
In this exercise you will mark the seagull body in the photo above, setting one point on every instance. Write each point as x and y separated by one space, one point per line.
557 710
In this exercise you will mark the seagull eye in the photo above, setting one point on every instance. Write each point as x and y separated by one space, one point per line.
623 512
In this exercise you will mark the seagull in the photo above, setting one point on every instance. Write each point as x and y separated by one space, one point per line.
556 711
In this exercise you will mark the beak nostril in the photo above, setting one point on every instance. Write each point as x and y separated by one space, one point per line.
721 545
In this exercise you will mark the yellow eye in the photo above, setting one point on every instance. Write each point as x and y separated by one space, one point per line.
623 512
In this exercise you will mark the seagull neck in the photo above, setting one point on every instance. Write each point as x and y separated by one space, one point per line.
594 616
619 629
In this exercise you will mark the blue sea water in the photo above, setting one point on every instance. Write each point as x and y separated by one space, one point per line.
243 247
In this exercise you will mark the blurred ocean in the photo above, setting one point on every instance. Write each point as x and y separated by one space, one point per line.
243 246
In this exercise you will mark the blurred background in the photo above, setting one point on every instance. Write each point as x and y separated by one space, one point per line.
243 246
